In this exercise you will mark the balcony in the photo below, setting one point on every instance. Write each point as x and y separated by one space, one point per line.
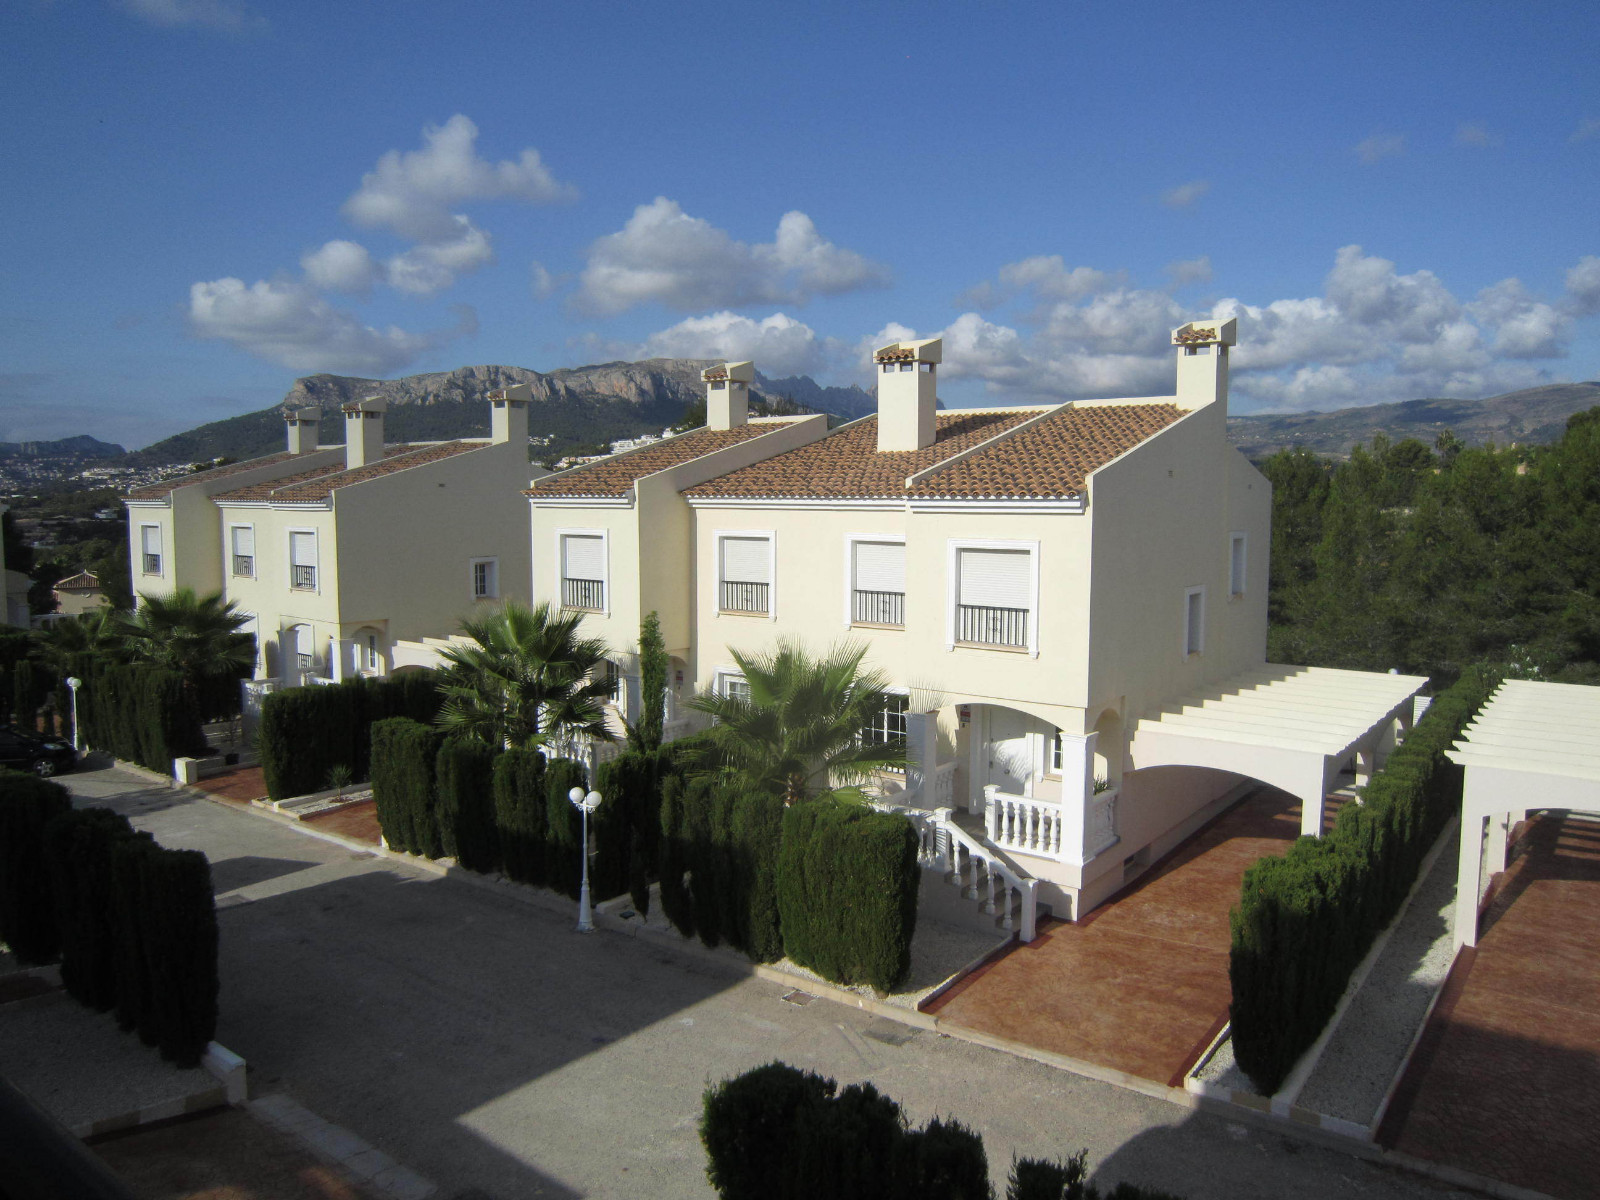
586 594
981 625
152 564
744 597
244 565
878 608
303 578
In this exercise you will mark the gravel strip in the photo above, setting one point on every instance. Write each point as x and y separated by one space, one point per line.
1366 1051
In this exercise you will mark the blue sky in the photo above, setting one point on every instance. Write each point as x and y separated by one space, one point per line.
207 199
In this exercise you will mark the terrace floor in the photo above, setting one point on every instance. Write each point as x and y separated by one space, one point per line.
1506 1079
1140 985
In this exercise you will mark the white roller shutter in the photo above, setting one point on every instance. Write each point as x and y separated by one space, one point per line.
994 578
244 541
151 535
584 557
880 566
746 560
303 549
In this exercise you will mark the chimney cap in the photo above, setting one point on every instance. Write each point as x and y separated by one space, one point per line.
517 392
371 404
739 372
928 350
1207 333
303 414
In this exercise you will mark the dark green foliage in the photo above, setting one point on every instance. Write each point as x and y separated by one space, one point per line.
519 814
29 686
747 1126
404 753
847 892
463 774
306 731
563 862
719 852
27 912
130 872
136 713
627 825
1037 1179
1305 920
77 849
654 664
179 935
946 1160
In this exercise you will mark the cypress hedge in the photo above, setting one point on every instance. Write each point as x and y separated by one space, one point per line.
518 787
847 884
1306 919
628 824
563 861
27 913
179 936
463 773
77 848
140 714
404 754
306 731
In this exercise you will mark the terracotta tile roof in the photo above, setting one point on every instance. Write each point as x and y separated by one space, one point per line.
1192 336
714 373
83 579
849 465
1052 458
894 356
615 475
310 486
157 491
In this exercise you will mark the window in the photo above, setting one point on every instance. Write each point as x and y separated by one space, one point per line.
150 543
372 652
1236 562
993 589
744 584
613 679
1194 621
305 646
1056 753
242 539
583 571
303 560
878 583
889 723
485 578
735 687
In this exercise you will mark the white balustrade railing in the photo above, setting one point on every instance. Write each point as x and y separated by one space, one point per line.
1023 824
944 786
1100 823
977 870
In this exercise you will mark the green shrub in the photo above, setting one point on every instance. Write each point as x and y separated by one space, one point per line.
676 900
1037 1179
305 731
627 825
563 863
463 774
747 1126
27 912
1305 920
136 924
519 814
77 852
404 753
847 884
136 713
179 934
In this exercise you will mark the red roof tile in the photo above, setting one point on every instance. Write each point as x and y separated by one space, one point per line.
157 491
614 476
310 486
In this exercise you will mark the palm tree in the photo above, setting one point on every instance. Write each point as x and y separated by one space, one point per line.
802 728
99 632
196 636
527 677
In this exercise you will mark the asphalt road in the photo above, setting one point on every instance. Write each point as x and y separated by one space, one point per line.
486 1045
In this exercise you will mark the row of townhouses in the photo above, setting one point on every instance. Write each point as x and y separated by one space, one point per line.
1071 599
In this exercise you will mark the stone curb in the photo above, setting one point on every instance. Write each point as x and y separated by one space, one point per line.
371 1166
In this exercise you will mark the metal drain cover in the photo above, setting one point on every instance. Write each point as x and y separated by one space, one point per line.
797 997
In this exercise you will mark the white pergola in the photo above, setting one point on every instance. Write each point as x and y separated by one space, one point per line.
1292 727
1533 745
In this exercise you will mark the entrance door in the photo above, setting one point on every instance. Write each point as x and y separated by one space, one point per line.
1010 755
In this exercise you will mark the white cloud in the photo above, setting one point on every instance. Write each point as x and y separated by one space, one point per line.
542 283
1524 327
433 266
1381 146
665 255
341 266
1185 194
1587 128
1470 133
289 324
1583 286
413 193
778 345
227 16
1190 270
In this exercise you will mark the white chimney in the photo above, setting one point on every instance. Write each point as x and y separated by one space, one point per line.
907 403
508 414
728 394
363 431
1203 361
303 424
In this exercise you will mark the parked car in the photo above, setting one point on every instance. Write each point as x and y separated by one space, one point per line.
30 752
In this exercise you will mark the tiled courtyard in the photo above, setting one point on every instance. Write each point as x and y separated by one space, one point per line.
1506 1081
1141 984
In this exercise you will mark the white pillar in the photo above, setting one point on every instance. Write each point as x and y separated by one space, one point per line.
1313 799
1469 879
922 757
1077 786
341 659
1495 858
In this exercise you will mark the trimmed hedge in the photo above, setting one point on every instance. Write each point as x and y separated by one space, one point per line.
463 775
847 884
27 912
404 756
628 824
518 789
307 731
139 714
1305 920
563 825
77 847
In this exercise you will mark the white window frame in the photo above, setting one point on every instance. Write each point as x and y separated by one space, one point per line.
850 540
904 694
493 591
234 556
369 652
160 555
1197 650
953 548
723 675
605 568
1054 754
1237 583
316 567
771 536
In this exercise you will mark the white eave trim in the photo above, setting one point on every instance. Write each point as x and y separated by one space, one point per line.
581 501
1068 506
953 504
163 503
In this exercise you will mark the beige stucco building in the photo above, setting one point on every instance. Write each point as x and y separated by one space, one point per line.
338 552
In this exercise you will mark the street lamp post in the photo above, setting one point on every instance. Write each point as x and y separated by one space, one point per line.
585 804
73 684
